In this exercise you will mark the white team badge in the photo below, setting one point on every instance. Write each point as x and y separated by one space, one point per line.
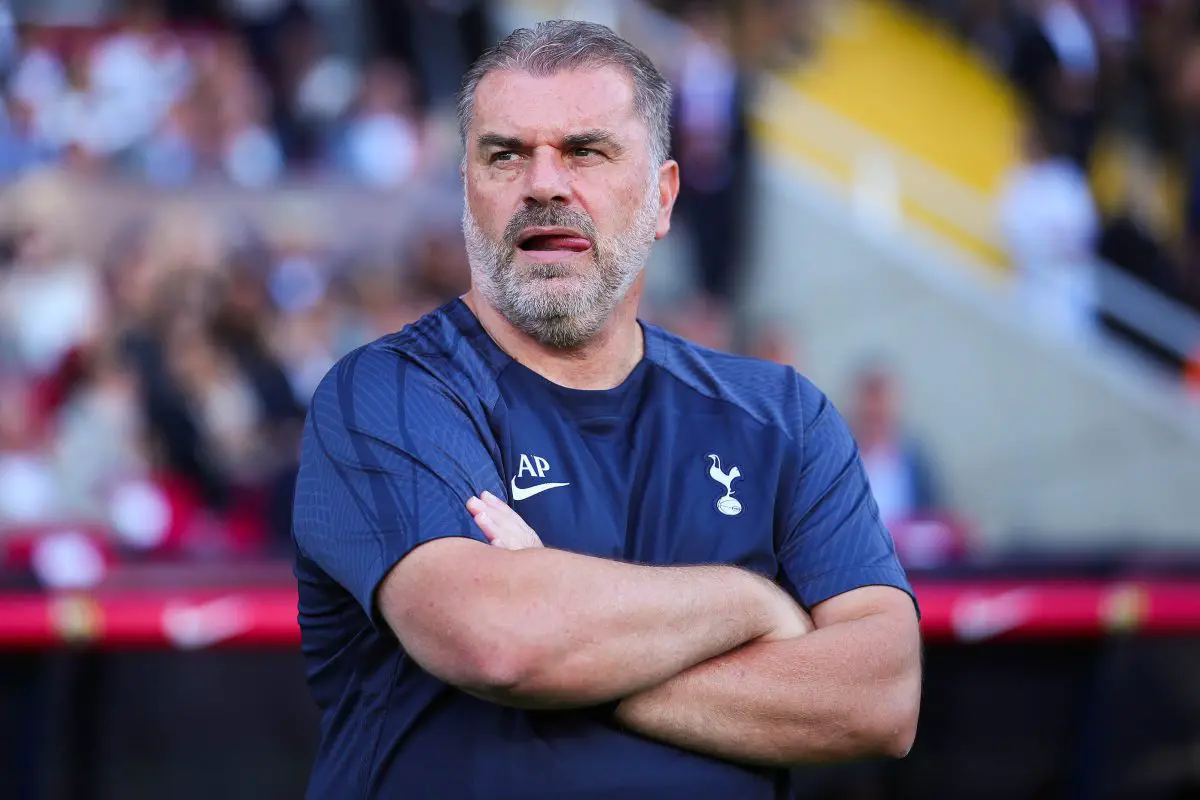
727 505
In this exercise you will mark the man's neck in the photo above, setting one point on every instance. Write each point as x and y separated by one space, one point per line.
602 363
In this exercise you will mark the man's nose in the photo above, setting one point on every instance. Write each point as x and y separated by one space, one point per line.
549 178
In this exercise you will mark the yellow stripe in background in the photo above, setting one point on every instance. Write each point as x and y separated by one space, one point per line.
842 172
898 76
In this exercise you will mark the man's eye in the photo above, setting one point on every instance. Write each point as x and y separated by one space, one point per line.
584 152
503 156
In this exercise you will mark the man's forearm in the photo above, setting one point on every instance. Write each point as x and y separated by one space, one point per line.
846 691
549 628
596 630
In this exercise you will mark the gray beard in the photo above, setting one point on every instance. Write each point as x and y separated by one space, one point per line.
564 320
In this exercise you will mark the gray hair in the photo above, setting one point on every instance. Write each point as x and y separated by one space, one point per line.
560 45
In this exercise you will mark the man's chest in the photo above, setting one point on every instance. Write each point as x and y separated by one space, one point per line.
657 489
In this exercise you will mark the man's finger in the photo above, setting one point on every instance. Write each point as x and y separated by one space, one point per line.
476 506
489 527
503 529
503 511
493 501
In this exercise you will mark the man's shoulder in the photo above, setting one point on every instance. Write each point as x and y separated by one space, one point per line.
773 394
433 357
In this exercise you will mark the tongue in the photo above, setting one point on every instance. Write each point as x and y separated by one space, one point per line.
576 244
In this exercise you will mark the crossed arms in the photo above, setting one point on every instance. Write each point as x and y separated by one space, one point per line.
713 659
710 658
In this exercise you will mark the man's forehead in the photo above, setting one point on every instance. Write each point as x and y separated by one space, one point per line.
519 104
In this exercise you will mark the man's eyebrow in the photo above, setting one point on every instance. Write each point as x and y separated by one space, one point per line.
498 141
590 138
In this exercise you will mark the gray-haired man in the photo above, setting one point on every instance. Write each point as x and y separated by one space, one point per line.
548 551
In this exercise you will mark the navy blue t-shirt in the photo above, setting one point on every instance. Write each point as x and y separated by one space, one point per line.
697 457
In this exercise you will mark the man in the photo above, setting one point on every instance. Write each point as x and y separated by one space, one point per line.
1056 64
1051 226
713 147
902 477
690 503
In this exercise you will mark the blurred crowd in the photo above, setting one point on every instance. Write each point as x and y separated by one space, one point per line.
1111 146
174 101
203 208
157 351
157 391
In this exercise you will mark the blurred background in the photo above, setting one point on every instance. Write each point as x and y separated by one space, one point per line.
974 223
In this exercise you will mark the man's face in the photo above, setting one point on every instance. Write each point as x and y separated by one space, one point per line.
563 200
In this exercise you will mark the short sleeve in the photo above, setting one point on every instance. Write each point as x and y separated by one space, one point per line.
835 540
388 461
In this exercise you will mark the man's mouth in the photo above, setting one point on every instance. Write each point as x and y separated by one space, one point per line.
553 240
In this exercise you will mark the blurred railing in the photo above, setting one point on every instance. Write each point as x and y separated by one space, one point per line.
265 616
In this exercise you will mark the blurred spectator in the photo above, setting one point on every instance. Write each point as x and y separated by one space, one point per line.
50 300
773 341
27 490
100 441
134 75
20 149
251 154
384 300
318 88
438 38
713 147
1130 239
442 271
699 319
1050 227
902 476
310 333
904 481
1056 63
381 142
987 25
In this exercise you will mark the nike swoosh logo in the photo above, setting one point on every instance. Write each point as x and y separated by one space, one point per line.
190 626
524 494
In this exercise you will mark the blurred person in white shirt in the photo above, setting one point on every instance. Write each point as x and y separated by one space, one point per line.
136 75
50 298
381 143
1050 227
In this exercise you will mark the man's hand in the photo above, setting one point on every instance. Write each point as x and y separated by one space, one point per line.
504 528
791 621
500 524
